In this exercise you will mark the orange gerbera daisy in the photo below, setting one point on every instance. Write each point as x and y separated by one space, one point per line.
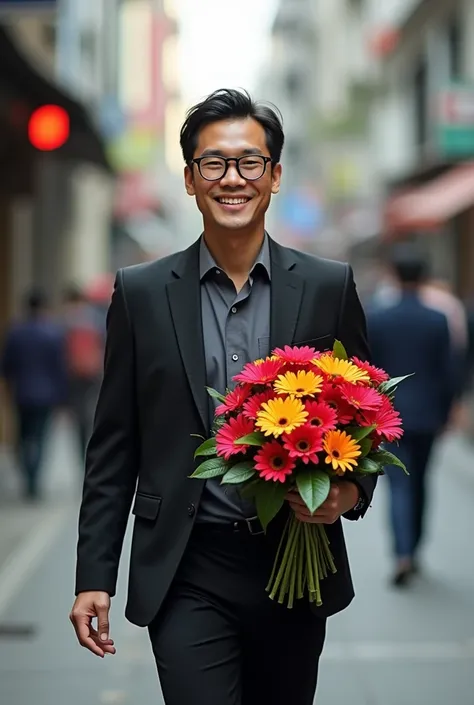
342 451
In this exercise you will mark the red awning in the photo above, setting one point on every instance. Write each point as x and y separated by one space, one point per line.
427 207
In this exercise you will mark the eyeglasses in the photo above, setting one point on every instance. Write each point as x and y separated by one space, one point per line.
250 167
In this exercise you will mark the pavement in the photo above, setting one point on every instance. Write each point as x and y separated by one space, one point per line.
389 648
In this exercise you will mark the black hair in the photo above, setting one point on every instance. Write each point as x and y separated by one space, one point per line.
35 301
225 104
409 264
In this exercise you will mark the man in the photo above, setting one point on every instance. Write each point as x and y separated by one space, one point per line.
409 337
33 366
200 561
85 354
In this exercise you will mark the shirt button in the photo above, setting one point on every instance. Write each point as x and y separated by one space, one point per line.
235 357
234 309
191 510
218 271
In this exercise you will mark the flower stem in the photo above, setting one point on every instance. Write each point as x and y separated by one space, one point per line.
309 564
314 541
280 546
285 585
294 568
284 561
301 568
326 549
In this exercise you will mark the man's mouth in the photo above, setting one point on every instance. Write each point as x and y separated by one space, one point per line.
230 201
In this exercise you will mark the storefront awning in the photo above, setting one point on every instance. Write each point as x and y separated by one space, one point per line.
427 207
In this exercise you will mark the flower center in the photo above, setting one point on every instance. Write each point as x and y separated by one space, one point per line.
333 405
283 421
277 462
336 454
303 446
316 422
300 390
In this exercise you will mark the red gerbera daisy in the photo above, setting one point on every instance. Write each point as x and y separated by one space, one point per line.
321 415
332 396
304 443
226 436
295 355
273 462
386 420
233 400
377 375
365 398
253 405
262 373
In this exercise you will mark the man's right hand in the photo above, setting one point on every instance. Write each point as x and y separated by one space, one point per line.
87 606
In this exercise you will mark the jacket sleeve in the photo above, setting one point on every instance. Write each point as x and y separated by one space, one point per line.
352 332
112 457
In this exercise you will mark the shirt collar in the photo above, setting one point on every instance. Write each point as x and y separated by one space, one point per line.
207 262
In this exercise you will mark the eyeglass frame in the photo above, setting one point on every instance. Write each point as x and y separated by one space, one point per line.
198 161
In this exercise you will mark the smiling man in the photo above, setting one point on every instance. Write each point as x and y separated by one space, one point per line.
200 560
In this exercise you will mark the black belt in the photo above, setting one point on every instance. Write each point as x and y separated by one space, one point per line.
244 526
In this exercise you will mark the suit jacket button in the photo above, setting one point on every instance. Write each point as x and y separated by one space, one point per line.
191 510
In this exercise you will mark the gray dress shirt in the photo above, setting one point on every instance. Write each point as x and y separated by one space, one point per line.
236 328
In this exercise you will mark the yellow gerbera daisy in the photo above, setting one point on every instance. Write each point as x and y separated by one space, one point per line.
281 416
299 384
342 451
335 367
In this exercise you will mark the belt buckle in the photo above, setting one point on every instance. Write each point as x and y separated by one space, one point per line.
250 525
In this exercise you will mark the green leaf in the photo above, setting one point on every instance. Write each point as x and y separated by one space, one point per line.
391 384
313 486
216 395
252 439
206 448
269 497
359 432
365 447
339 350
198 435
211 468
239 473
384 457
368 466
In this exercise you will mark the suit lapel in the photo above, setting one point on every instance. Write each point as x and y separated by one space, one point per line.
184 297
287 291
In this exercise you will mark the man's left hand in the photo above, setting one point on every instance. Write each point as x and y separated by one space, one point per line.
343 496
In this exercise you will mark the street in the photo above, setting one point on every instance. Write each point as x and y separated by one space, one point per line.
389 648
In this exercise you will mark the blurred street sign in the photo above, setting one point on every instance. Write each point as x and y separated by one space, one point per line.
455 121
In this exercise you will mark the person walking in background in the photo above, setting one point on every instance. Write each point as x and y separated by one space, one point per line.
85 340
408 337
33 365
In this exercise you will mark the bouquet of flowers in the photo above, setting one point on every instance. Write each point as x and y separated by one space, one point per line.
297 421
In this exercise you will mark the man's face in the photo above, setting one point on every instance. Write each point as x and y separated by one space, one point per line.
232 202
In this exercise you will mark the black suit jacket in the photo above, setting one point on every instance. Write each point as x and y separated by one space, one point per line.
153 398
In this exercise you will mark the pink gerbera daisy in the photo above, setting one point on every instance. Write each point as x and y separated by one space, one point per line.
386 420
253 405
233 400
263 373
295 355
273 462
304 443
230 432
365 398
332 396
321 415
377 376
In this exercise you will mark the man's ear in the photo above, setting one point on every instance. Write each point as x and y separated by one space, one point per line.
276 178
189 181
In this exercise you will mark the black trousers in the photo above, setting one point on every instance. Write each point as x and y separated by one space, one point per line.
32 430
220 640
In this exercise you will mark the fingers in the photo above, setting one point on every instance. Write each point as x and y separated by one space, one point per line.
327 513
82 627
102 610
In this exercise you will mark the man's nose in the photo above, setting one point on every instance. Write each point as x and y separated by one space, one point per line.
232 177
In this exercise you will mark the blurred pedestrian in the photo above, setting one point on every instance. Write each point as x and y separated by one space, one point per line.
407 337
85 336
33 365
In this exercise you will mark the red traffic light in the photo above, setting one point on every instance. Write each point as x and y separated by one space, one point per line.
48 127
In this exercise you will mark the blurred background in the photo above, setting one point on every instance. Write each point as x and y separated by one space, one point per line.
377 98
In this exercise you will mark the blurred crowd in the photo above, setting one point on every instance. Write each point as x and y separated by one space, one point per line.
52 362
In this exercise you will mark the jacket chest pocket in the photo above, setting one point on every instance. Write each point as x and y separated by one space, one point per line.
146 506
321 343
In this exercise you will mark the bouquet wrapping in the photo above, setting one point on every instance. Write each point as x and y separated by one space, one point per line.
297 421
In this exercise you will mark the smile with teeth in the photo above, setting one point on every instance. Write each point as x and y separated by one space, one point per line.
232 201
